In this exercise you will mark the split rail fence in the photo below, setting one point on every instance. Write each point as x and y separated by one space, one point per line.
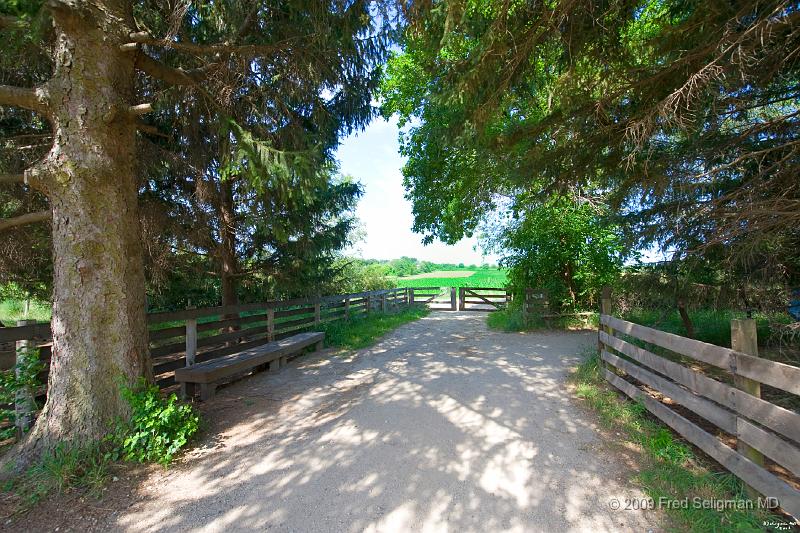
646 363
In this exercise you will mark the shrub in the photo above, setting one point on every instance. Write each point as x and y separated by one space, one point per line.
158 428
506 320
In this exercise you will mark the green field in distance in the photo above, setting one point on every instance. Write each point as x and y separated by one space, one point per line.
479 277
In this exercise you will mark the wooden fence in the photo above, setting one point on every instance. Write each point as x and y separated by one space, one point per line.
179 338
423 295
490 298
728 398
458 298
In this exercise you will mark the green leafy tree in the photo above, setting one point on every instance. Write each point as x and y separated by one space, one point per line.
405 266
563 245
682 115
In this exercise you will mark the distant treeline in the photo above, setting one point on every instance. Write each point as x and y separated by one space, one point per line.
410 266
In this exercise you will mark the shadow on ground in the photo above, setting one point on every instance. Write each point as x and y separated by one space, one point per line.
443 425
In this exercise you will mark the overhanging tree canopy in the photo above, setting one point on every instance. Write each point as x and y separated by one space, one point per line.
683 115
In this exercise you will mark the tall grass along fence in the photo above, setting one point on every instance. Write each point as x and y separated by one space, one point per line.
536 308
712 396
182 338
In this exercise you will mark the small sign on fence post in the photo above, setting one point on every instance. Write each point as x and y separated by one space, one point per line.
744 338
24 402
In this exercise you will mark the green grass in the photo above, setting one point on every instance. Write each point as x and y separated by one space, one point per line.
363 331
670 469
482 277
12 310
710 326
64 469
511 320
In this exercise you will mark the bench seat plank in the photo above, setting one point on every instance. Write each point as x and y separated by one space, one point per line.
222 367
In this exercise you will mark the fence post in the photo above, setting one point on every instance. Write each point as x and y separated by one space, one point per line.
744 338
462 304
383 302
605 309
453 298
410 296
347 308
368 307
317 313
270 324
24 402
526 301
191 339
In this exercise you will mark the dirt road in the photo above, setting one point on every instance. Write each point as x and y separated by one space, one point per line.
442 426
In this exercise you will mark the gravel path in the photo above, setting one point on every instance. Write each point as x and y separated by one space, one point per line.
443 425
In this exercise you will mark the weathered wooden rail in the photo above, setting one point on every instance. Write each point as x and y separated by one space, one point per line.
730 400
490 298
181 338
459 298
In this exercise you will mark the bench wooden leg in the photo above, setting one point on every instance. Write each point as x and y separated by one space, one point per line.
274 365
318 346
187 390
284 361
207 391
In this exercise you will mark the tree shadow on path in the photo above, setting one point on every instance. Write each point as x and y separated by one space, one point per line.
443 425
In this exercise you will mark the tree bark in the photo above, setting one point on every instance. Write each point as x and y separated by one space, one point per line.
229 263
687 322
99 327
569 280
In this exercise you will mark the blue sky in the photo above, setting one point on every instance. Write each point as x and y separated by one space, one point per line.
372 158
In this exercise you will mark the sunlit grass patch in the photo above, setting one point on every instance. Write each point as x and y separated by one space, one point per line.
363 331
12 310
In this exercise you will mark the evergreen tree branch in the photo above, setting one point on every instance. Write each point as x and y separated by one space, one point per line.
34 99
171 75
243 50
27 218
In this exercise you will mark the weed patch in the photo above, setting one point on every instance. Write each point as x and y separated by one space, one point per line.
513 320
66 467
159 427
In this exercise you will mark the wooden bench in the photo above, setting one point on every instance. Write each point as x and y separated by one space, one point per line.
209 374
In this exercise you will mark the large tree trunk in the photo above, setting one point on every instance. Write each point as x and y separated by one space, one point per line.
569 280
99 327
229 263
